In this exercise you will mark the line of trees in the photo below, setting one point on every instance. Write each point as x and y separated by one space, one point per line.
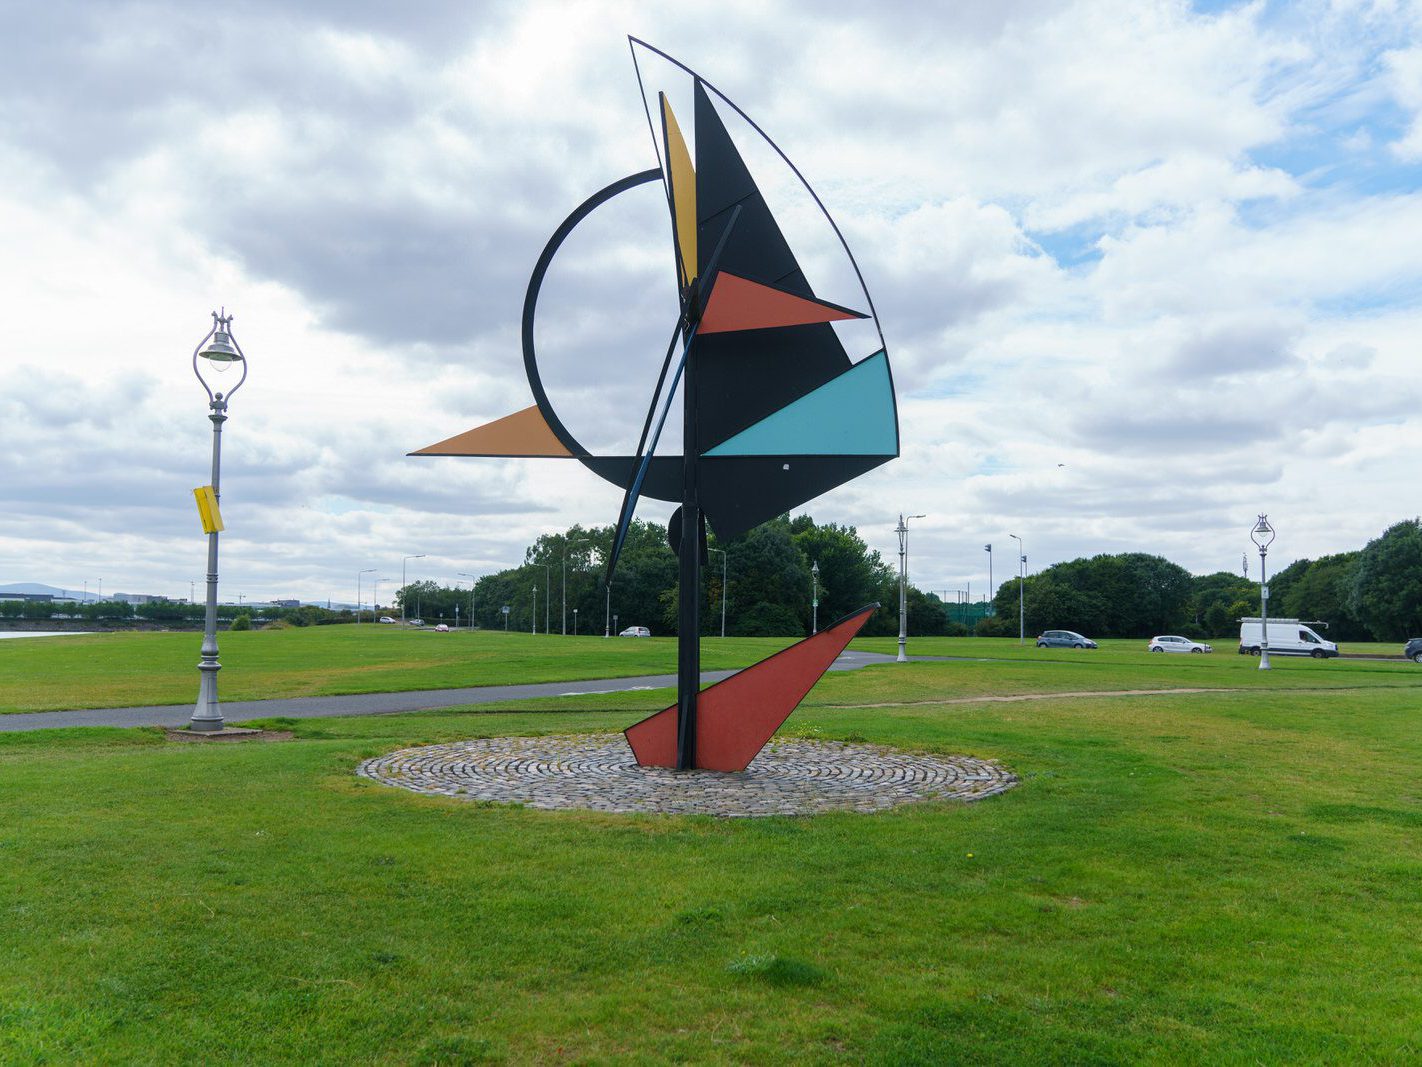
1374 593
768 585
1371 594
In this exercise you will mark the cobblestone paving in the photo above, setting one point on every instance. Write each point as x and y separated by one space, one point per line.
597 772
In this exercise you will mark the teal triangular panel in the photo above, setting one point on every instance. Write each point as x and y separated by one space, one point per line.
850 415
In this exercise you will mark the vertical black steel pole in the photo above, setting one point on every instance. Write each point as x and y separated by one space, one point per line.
688 674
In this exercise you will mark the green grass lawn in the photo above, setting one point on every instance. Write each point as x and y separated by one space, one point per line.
134 669
1220 877
130 669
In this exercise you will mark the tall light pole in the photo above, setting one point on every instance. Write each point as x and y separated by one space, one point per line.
463 574
1021 577
220 349
607 617
902 531
403 596
368 570
992 589
535 609
815 598
1263 536
566 544
723 587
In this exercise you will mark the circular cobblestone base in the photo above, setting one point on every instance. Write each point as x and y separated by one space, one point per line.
597 772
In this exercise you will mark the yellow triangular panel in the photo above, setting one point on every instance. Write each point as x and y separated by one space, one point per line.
524 433
683 183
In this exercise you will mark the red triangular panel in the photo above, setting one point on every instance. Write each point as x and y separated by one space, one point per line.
737 303
736 717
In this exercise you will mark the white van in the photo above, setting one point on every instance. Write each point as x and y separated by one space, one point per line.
1287 637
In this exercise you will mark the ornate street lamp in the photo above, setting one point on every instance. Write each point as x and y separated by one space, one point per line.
219 350
1263 536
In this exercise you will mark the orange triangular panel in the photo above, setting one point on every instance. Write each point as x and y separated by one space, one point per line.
737 303
524 433
736 717
683 185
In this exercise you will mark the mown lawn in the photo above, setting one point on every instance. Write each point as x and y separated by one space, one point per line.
132 669
1219 877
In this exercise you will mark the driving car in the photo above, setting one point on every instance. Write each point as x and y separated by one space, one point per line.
1176 643
636 631
387 619
1413 651
1064 639
442 628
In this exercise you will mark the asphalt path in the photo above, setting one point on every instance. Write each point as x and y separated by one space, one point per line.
237 711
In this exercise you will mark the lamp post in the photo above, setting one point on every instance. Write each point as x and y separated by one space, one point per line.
1021 577
368 570
902 531
463 574
992 589
575 622
220 349
723 587
1263 536
566 544
403 596
607 609
815 598
535 609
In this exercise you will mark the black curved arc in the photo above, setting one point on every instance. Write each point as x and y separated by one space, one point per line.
781 153
535 284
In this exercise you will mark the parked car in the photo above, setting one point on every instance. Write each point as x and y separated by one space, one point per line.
1064 639
388 619
1287 637
636 631
1413 651
1176 643
442 629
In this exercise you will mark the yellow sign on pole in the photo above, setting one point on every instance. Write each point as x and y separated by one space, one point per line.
211 517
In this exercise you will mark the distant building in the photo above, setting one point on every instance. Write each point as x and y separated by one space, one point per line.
286 603
45 597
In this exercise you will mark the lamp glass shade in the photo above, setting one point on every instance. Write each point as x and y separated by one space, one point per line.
220 350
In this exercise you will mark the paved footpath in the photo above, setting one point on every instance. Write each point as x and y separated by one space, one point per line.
236 711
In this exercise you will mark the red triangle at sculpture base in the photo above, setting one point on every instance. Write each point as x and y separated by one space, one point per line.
736 717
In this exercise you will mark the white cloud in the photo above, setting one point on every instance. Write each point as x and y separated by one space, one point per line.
1135 277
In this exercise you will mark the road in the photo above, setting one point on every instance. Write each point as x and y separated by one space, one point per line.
236 711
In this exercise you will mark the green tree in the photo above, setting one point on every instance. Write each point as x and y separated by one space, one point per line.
1386 592
1323 592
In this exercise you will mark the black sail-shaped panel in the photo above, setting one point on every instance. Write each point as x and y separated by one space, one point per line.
743 376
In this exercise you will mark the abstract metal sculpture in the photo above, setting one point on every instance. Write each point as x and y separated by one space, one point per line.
774 413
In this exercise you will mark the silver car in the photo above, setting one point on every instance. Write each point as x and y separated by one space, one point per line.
1176 643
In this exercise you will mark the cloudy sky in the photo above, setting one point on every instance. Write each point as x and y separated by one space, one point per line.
1145 269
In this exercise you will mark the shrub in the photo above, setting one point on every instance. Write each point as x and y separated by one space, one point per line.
241 622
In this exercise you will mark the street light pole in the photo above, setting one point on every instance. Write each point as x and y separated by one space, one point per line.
403 596
992 589
1263 536
566 545
815 598
535 609
902 531
368 570
463 574
723 587
221 350
1021 577
607 617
